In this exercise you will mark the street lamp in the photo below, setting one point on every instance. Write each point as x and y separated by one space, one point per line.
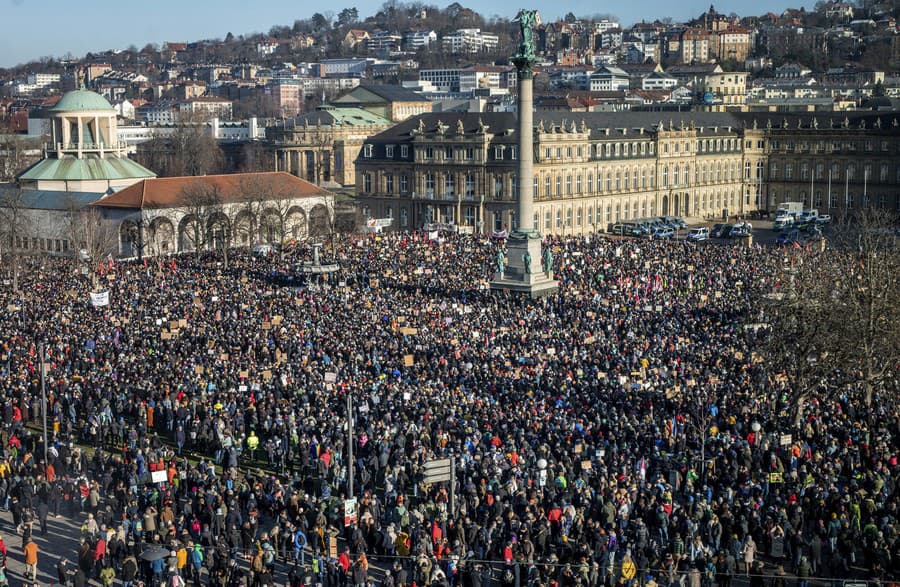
41 350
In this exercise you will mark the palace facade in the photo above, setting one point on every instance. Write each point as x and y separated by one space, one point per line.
593 169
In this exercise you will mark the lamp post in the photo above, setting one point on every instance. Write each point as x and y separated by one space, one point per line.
349 445
44 397
481 215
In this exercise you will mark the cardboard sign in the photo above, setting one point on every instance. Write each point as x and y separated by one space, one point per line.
166 335
330 377
406 331
244 374
276 320
408 360
267 375
266 325
198 369
786 439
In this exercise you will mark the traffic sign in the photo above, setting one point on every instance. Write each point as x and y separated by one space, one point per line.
438 470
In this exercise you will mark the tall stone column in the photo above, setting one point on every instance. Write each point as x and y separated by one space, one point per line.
526 150
525 267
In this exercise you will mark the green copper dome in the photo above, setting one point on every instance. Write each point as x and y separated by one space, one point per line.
81 100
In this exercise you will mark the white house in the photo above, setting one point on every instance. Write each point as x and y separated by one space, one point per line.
658 80
609 79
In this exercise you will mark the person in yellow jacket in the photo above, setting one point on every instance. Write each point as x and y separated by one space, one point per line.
181 558
252 443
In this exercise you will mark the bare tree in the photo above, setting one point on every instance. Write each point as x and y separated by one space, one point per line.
207 223
15 225
795 338
93 237
189 151
836 323
866 295
271 208
14 156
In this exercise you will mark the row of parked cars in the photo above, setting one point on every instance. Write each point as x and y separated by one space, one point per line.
657 227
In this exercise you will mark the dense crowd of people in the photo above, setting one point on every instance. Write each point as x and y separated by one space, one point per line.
626 430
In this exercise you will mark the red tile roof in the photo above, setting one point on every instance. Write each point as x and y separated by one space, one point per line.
166 192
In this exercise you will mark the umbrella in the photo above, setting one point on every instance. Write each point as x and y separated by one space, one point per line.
155 553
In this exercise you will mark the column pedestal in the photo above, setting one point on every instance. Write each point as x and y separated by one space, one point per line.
515 278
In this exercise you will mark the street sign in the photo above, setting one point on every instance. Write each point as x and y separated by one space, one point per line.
438 470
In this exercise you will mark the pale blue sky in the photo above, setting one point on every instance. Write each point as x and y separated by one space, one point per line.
36 28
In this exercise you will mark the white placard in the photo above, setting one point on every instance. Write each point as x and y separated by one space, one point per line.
100 298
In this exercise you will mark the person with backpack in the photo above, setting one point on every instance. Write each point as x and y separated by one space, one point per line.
268 552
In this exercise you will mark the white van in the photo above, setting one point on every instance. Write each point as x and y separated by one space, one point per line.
700 233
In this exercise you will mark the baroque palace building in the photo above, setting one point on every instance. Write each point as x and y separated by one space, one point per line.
594 169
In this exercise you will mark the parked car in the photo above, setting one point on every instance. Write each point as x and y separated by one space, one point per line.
699 233
823 219
783 222
663 232
741 229
721 230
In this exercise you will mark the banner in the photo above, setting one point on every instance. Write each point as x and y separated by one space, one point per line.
100 298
